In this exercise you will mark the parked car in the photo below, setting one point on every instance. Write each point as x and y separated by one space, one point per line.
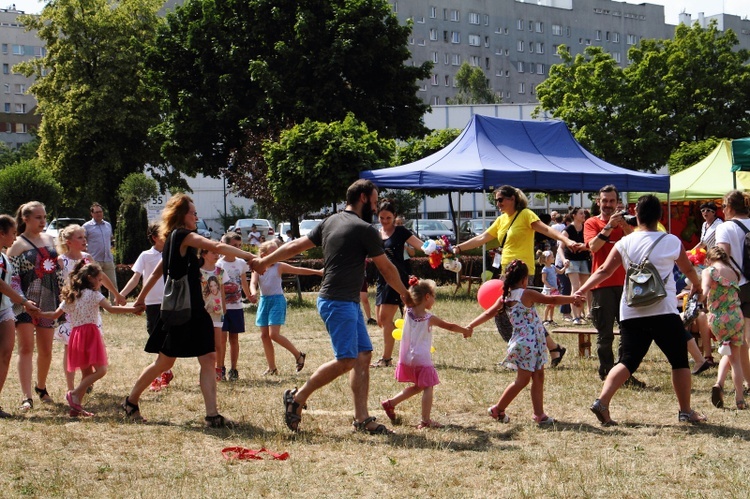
474 227
244 224
430 229
56 225
305 226
204 230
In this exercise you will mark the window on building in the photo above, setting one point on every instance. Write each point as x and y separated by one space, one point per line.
616 56
20 108
486 63
433 12
632 39
447 58
531 25
598 35
520 66
445 14
455 37
486 41
447 81
522 88
606 36
435 57
519 24
539 48
456 59
486 20
20 88
540 69
422 42
5 48
554 50
395 7
556 30
436 101
473 18
18 50
474 40
588 41
616 37
539 27
7 107
433 34
21 128
567 31
455 15
435 80
531 47
507 73
6 87
6 69
411 41
474 60
520 46
507 52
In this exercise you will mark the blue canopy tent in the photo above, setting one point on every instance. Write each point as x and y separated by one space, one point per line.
540 156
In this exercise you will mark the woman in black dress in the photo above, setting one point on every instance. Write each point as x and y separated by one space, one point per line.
196 337
388 301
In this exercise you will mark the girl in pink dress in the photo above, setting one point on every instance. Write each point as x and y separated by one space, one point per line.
415 357
86 350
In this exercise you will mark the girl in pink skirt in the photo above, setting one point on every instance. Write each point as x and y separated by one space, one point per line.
86 350
415 357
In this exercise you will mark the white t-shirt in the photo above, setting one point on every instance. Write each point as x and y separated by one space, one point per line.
145 265
236 272
664 255
729 233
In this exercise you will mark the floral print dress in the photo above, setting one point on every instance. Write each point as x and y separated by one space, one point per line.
724 312
527 348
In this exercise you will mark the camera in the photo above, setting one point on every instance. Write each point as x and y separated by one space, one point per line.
629 219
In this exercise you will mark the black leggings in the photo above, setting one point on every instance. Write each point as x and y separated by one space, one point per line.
665 330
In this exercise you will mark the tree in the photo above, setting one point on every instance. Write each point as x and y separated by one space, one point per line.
27 151
258 67
673 92
473 87
312 161
95 110
138 185
28 181
130 233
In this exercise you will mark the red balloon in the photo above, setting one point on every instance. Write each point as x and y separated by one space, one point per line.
489 292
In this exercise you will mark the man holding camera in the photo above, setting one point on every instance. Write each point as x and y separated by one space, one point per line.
601 233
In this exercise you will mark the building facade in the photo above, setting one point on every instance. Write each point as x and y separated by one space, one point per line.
515 42
18 113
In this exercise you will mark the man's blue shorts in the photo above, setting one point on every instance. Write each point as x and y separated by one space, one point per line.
271 311
346 327
234 321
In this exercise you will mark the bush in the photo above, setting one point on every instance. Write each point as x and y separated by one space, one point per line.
130 234
27 181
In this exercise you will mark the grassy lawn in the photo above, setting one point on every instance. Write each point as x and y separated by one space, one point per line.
47 454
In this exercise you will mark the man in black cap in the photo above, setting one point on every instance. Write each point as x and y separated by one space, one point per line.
708 229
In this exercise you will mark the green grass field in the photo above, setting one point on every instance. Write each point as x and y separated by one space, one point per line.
47 454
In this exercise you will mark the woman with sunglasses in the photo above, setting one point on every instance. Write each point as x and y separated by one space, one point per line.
708 229
514 229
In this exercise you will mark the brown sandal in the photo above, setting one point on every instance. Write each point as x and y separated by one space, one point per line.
301 361
219 421
380 429
132 411
383 362
43 395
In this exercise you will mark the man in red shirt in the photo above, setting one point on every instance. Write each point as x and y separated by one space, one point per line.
600 233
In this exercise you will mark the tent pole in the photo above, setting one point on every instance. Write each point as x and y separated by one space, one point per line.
669 214
484 224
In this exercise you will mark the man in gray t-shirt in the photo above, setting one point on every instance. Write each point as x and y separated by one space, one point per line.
347 238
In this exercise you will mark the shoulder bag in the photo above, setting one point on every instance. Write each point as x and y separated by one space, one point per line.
643 284
175 305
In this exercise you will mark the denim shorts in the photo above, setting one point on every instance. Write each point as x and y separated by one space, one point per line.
271 311
346 327
234 321
578 267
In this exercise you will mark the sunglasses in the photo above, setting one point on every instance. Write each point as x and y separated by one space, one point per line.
500 199
704 210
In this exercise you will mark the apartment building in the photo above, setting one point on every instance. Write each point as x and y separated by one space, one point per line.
515 42
17 115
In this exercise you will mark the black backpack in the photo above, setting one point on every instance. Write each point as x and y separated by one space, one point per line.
745 267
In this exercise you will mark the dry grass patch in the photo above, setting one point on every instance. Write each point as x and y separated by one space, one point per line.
46 454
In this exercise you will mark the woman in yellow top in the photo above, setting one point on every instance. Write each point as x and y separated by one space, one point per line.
514 229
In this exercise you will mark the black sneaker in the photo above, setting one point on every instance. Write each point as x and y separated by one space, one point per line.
233 375
634 382
372 322
223 373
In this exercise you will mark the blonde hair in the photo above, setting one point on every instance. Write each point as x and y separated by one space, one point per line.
24 211
419 288
271 245
66 235
230 236
542 256
79 279
738 201
173 216
717 254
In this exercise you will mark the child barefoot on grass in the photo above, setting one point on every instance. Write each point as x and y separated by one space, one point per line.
527 348
271 313
414 356
86 350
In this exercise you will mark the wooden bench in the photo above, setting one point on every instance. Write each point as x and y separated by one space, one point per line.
584 337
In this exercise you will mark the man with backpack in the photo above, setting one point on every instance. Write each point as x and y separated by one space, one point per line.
733 236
